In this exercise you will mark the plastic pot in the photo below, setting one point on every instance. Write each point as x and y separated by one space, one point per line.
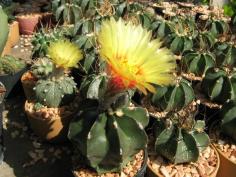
53 129
10 81
28 82
152 173
142 170
2 94
28 23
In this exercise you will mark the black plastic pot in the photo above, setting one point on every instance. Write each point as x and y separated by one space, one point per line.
142 171
2 94
9 81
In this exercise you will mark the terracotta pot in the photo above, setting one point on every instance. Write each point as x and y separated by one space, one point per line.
28 81
152 173
28 23
7 48
14 33
53 129
227 167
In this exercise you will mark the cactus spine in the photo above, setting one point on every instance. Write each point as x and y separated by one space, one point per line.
42 68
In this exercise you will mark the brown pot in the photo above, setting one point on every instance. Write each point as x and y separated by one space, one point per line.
28 23
7 48
28 81
14 33
227 167
152 173
53 129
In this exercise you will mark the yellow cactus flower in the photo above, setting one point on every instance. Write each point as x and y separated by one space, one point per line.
64 54
134 60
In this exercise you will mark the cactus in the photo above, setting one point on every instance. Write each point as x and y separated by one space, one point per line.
204 40
175 97
3 30
55 92
228 117
197 62
180 145
11 65
6 2
225 54
219 85
161 28
42 68
117 136
217 27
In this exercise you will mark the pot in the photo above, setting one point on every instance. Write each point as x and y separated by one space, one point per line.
7 48
28 23
14 33
53 129
28 81
142 170
152 173
2 94
10 80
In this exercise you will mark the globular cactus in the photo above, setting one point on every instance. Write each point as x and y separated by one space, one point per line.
217 27
4 30
109 140
204 40
177 144
11 65
219 85
42 68
225 54
55 92
173 97
6 2
228 119
161 28
197 62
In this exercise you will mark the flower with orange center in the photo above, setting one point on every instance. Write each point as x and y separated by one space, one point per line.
134 60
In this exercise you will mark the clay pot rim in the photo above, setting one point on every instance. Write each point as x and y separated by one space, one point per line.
221 153
31 115
213 174
28 72
28 16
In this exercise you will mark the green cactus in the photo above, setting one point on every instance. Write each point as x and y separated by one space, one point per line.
55 92
4 30
42 68
180 145
11 65
217 27
174 97
197 62
225 54
228 117
219 85
117 136
204 40
161 28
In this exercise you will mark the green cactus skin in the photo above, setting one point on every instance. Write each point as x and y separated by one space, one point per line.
228 117
225 54
109 140
174 97
42 68
161 28
55 92
180 44
11 65
4 30
197 63
217 27
219 85
179 145
204 40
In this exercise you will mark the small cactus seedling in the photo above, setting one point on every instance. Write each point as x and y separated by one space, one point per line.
228 119
55 92
219 85
180 145
11 65
42 68
225 54
174 97
117 136
197 62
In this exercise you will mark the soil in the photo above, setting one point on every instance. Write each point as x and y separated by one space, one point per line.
130 169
